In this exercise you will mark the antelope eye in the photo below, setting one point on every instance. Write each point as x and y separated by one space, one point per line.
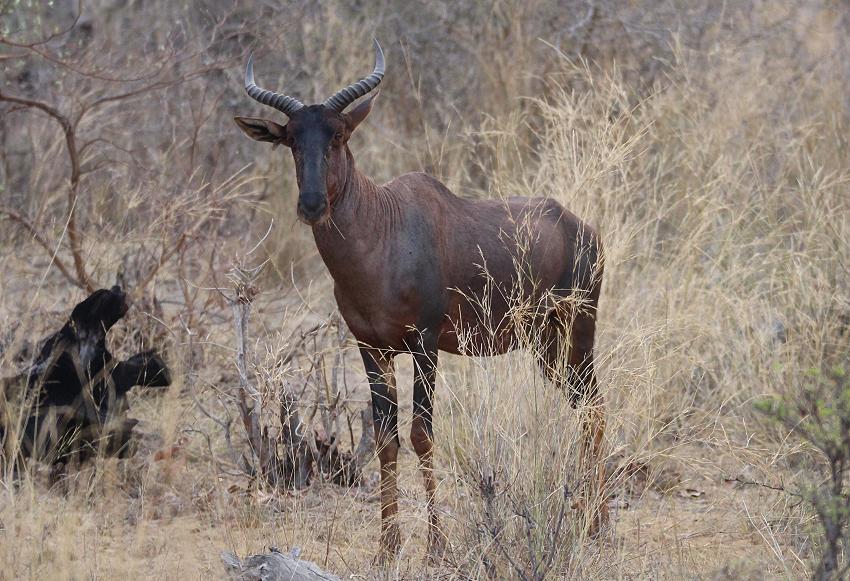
337 136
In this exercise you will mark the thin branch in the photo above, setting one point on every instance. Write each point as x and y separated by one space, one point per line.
71 145
148 88
779 488
29 227
57 34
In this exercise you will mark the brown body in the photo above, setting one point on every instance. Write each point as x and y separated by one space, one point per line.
427 252
417 270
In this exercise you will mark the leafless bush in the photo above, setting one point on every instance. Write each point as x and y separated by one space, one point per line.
295 451
707 141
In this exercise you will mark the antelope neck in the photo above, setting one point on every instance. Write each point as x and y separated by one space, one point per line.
363 214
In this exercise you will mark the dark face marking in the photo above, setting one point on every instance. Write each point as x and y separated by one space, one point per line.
317 136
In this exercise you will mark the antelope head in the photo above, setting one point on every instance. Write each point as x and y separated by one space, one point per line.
317 135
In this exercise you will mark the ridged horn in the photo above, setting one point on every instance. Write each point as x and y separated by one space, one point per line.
283 103
348 95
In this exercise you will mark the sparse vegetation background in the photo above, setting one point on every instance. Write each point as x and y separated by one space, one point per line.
708 143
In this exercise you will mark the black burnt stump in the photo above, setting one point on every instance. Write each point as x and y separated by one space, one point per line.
76 391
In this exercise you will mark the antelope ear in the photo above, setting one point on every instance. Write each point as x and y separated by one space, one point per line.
354 117
262 129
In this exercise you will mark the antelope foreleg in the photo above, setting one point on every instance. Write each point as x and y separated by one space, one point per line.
379 369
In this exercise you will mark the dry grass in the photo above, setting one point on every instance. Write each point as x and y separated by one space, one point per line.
714 162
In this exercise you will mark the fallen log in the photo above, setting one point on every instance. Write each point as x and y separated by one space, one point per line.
274 566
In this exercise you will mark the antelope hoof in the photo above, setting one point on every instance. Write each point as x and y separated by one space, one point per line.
436 546
596 520
390 545
597 523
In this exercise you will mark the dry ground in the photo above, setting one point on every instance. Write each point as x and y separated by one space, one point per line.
679 516
706 141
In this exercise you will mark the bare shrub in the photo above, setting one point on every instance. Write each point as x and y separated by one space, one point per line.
707 141
820 415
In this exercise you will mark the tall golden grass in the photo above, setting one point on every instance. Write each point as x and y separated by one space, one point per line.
707 145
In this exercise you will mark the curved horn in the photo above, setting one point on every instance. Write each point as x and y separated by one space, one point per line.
283 103
347 96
